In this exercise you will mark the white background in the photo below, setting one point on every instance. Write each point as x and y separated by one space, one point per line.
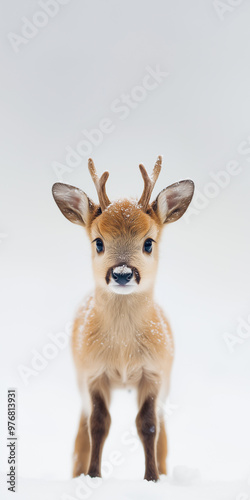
66 79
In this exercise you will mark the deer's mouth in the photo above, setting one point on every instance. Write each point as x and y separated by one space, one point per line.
123 278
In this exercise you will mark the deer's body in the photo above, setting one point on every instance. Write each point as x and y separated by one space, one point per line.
121 341
121 338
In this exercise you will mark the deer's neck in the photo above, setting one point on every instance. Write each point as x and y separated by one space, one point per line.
126 312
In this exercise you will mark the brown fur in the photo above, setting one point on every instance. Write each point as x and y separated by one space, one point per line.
162 449
122 340
137 351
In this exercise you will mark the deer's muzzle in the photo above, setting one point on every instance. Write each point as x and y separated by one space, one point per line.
122 275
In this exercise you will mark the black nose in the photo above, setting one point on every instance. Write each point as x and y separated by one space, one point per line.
122 278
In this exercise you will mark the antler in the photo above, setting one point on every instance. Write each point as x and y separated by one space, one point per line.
149 183
99 184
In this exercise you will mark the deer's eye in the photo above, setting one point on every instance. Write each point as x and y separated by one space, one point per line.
148 245
99 245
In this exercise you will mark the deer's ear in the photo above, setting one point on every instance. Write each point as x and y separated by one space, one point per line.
173 201
73 203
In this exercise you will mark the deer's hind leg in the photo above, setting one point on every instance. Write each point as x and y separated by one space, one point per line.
162 449
82 448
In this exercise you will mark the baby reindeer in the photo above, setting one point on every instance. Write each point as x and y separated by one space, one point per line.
121 337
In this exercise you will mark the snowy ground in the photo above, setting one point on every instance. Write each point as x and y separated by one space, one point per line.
45 452
179 487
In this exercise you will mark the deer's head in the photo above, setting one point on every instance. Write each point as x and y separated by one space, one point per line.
124 234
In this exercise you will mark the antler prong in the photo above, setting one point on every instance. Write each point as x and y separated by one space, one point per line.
100 184
157 169
149 182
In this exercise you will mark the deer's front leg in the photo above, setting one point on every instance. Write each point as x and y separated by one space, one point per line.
147 427
99 427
